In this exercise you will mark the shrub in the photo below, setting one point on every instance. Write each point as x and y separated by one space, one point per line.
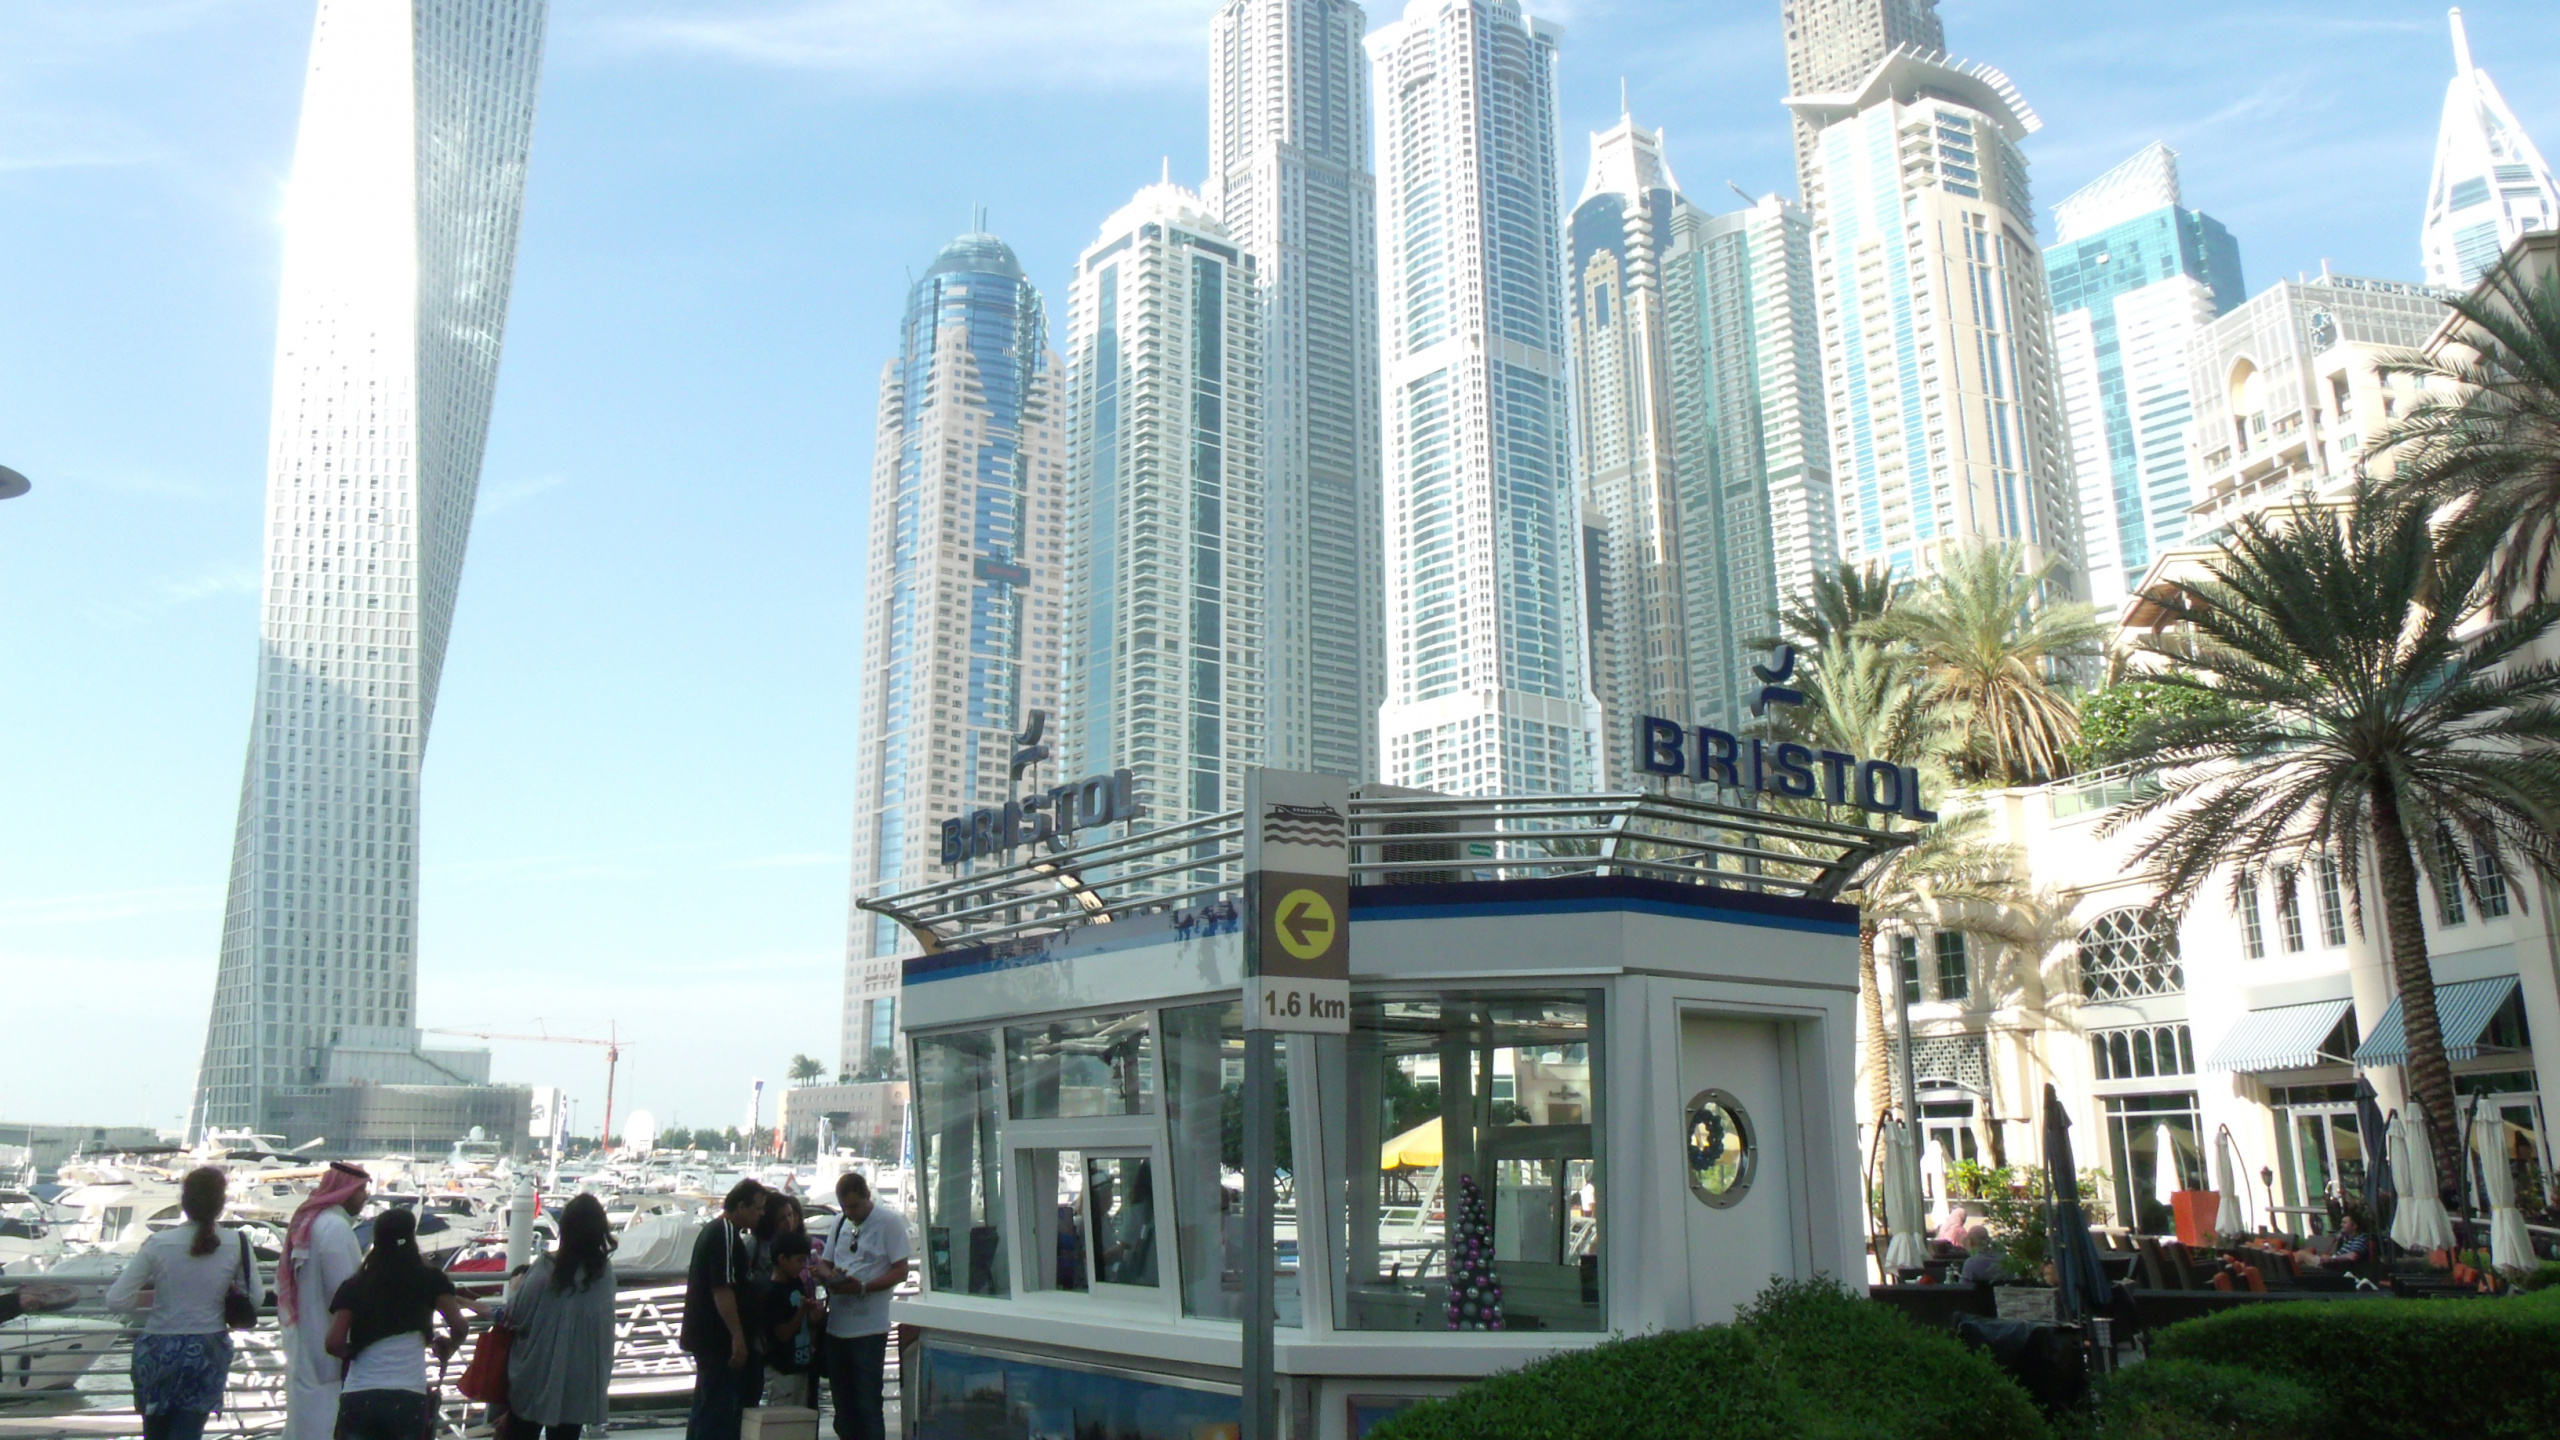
1805 1360
2392 1368
2187 1400
2541 1277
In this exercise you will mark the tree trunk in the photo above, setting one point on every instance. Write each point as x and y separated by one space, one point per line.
2429 1074
1879 1059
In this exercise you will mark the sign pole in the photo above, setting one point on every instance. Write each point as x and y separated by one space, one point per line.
1297 980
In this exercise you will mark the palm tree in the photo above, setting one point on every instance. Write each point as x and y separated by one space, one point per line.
2359 720
1840 603
805 1070
1866 700
1995 635
2488 433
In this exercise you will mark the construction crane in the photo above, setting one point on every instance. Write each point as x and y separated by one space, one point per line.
612 1059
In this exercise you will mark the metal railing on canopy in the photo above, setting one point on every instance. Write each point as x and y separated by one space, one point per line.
1401 837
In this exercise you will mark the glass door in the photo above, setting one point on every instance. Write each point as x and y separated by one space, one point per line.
2326 1159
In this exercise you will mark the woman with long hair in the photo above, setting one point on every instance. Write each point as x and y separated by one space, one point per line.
562 1316
179 1279
382 1323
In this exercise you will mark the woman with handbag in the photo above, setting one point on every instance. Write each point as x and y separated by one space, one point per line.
560 1356
382 1322
201 1286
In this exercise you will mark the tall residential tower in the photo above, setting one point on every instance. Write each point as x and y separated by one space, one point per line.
960 625
1834 44
2490 184
1163 663
1289 177
400 248
2135 275
1487 689
1946 414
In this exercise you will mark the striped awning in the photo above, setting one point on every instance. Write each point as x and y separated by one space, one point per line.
2286 1037
2463 1010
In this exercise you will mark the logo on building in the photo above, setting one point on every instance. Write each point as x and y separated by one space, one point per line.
1708 756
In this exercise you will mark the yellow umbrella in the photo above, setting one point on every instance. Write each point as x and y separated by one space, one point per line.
1417 1148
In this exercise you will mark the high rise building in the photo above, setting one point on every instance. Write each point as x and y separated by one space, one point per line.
2134 276
400 247
1289 177
1946 416
1488 691
1834 44
1634 616
1164 628
960 627
1757 512
2490 184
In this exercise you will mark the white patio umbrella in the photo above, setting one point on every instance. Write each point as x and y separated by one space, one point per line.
1933 1183
1906 1248
2508 1249
2421 1224
2230 1226
2164 1169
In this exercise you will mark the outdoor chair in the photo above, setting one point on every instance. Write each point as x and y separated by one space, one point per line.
2155 1269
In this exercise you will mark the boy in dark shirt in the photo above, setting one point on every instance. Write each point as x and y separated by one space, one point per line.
786 1317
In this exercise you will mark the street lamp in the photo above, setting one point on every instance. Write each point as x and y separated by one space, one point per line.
12 484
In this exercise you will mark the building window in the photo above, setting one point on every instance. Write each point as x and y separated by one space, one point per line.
2253 933
1955 977
1906 966
1086 1065
2154 1144
2289 909
2125 953
961 1191
2140 1052
2333 904
2449 872
2493 885
1424 1121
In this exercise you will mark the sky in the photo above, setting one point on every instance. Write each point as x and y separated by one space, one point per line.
637 803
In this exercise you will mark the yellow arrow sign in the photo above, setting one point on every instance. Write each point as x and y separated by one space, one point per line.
1305 924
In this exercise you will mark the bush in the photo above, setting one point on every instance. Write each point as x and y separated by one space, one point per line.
2395 1368
2541 1277
1809 1360
2187 1400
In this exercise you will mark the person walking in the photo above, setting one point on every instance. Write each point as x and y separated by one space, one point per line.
382 1322
183 1355
562 1314
868 1253
715 1305
320 1254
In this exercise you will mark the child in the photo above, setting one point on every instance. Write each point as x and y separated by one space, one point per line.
786 1319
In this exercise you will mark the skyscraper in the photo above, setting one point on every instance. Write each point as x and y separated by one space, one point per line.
400 247
1757 512
2134 276
1634 615
960 626
1164 628
1487 688
1289 177
1946 418
1834 44
2490 183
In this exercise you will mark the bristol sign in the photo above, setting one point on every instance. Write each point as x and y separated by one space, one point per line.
1710 756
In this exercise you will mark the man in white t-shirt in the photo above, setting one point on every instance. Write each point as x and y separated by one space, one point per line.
866 1257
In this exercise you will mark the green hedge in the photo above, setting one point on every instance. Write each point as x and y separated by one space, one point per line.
1808 1360
2389 1369
2188 1400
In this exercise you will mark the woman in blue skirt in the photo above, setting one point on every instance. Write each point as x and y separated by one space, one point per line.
179 1279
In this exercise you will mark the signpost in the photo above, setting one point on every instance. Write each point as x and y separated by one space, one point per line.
1297 980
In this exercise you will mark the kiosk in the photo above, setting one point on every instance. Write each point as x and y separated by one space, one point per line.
1598 1068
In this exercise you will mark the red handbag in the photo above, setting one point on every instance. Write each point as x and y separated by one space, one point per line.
485 1378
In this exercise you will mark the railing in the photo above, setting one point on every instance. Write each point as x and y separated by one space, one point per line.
1195 868
2094 790
48 1388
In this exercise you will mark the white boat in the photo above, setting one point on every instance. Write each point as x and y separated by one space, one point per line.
42 1353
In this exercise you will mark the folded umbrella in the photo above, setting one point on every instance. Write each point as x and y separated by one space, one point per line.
2230 1224
1906 1249
2377 1160
2164 1173
2508 1248
2080 1277
2420 1224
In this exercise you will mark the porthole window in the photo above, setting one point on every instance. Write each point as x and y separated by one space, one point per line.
1723 1154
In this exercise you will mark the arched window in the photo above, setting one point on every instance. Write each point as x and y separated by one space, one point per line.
2122 954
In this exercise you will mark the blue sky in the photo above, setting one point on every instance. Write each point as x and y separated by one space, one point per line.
638 797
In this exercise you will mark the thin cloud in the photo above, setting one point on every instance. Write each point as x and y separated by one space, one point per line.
173 592
911 45
500 498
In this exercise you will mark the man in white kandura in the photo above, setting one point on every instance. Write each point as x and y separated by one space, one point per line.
320 1253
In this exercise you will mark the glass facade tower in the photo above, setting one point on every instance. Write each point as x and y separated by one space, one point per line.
1488 690
2490 183
960 624
2134 276
1163 663
1289 177
399 254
